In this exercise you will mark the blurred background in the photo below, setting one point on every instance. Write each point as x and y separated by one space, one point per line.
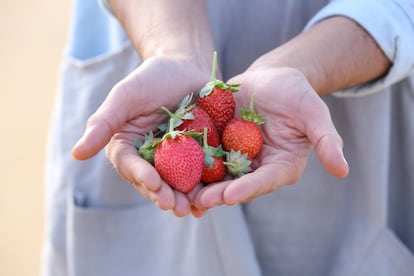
33 35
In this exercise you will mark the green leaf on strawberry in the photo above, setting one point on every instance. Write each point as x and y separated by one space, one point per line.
215 83
237 163
250 114
147 148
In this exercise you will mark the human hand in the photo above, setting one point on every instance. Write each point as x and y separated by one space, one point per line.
296 119
131 110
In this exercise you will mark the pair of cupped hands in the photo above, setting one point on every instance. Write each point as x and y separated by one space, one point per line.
296 120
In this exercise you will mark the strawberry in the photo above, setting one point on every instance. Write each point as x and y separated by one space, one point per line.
243 134
178 157
214 172
201 120
214 169
216 98
194 118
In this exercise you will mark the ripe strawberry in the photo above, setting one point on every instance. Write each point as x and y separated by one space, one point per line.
194 118
214 169
179 159
243 134
178 156
214 172
216 98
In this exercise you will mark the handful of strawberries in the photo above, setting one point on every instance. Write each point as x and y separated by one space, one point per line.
203 140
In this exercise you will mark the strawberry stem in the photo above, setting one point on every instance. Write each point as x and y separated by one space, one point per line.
171 121
215 83
169 113
250 114
214 68
252 103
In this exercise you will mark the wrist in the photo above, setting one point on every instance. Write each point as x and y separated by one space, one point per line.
334 54
287 57
166 28
200 59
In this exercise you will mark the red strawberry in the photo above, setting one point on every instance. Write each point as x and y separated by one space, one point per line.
243 134
214 169
189 117
214 172
179 159
216 98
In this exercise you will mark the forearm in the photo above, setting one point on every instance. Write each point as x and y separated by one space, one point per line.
335 54
166 27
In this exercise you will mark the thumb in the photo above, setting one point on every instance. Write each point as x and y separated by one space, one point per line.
325 139
102 125
330 153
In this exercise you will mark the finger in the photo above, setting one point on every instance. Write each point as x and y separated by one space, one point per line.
264 180
103 124
193 193
164 198
325 139
124 157
210 196
182 206
197 213
126 160
330 153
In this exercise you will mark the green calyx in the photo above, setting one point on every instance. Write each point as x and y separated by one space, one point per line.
250 114
237 163
185 107
147 149
174 134
176 120
168 131
182 113
215 83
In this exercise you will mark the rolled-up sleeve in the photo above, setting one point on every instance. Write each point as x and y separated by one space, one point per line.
391 24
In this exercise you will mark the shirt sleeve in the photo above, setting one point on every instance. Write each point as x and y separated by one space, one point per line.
391 24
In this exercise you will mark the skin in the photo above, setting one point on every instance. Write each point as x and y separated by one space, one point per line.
176 45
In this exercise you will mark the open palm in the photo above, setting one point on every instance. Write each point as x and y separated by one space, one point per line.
296 119
131 110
